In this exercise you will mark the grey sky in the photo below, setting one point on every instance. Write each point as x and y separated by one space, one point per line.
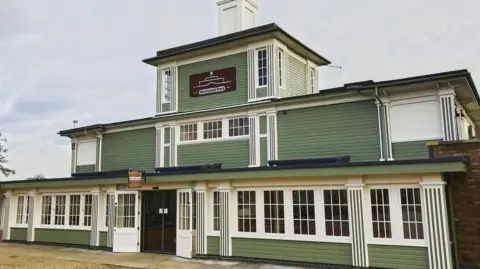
63 60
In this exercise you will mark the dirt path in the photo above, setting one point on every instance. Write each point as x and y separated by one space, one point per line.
46 257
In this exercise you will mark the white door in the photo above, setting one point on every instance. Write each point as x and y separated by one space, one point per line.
184 223
126 231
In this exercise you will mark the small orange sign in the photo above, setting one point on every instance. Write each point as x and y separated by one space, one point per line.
135 179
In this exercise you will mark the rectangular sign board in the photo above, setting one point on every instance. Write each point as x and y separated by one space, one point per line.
217 81
135 179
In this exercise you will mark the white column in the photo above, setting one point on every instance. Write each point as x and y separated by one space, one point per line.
7 212
32 212
200 191
439 253
94 233
447 107
254 141
225 237
355 188
272 144
380 127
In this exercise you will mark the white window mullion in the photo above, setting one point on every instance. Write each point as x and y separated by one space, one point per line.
52 215
200 130
396 214
288 212
82 210
67 210
260 212
319 213
225 128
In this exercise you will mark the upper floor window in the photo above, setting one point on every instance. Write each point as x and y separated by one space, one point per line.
238 127
262 68
281 68
212 129
188 132
167 85
312 79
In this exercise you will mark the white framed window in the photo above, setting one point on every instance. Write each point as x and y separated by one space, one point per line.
238 127
87 211
412 218
74 214
167 86
46 217
336 213
274 211
313 79
126 210
396 215
216 211
303 203
87 152
22 209
262 67
212 129
188 132
281 68
381 220
60 205
247 212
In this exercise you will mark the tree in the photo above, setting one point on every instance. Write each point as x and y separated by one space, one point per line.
3 158
37 176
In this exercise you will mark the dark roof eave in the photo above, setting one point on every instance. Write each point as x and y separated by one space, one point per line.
257 31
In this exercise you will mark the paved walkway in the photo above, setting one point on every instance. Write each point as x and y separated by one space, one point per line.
31 256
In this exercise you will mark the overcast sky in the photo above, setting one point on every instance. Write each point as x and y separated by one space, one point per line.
62 60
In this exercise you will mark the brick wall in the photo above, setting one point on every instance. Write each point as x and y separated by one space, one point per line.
465 190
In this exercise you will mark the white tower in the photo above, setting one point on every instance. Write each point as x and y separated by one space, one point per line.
236 15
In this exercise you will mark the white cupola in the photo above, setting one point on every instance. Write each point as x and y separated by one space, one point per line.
236 15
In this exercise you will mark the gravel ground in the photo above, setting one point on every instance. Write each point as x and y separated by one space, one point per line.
47 257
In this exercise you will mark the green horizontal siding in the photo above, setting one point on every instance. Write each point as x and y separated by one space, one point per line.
85 168
301 251
231 154
263 151
129 150
400 257
239 96
410 150
297 77
103 239
74 237
333 130
19 234
213 245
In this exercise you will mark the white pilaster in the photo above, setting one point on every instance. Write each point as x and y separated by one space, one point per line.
202 203
447 108
439 252
272 144
225 219
8 217
355 188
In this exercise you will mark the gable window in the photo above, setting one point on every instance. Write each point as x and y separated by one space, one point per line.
411 213
167 86
336 212
303 212
188 132
381 223
247 216
281 68
212 129
262 69
22 209
216 211
74 218
274 212
238 127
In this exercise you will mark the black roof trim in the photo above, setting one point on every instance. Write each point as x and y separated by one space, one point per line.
464 159
191 168
368 84
256 31
312 161
82 176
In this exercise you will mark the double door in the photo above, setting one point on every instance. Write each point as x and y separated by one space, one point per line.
159 221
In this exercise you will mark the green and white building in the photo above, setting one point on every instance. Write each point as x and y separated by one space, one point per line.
245 158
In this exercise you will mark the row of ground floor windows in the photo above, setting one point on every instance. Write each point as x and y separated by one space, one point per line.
394 212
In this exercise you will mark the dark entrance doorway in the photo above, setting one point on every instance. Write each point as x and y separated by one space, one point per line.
159 215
